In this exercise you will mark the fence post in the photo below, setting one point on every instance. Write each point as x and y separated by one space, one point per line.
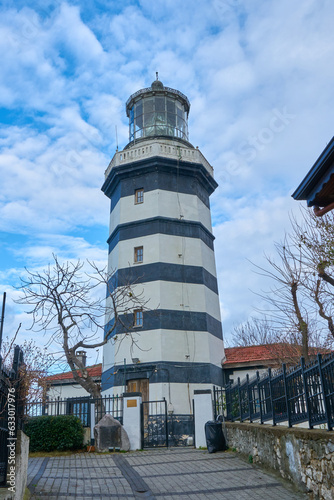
132 419
92 422
239 399
259 393
249 399
166 420
203 412
323 389
302 364
271 396
215 412
228 402
286 395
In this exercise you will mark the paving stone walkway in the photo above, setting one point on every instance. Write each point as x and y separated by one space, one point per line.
177 473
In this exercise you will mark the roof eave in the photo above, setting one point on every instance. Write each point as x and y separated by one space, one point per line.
306 187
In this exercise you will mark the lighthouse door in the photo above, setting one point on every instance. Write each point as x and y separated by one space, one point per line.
139 385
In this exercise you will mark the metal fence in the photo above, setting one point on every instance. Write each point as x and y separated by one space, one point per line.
295 395
78 406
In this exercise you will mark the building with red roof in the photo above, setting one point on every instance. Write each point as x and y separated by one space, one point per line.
241 361
64 386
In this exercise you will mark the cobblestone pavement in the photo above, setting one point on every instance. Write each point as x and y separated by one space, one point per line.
177 473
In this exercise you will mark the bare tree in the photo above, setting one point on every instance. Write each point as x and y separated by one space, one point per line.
68 304
314 237
255 331
287 311
301 298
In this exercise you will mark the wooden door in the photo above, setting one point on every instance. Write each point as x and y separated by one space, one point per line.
139 385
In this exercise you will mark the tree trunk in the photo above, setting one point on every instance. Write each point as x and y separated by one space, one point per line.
302 325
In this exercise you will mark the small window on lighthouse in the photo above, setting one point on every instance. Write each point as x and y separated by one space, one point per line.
137 317
139 251
139 196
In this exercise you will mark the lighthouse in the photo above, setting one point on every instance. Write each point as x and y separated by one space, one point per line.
161 240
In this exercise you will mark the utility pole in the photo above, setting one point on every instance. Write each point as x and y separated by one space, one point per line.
2 317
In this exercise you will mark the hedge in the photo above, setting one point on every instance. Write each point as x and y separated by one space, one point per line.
48 433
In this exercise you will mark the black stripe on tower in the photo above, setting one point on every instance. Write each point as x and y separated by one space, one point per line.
159 173
164 372
162 271
160 225
169 319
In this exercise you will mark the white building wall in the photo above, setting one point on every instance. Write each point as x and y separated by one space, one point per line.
66 391
242 374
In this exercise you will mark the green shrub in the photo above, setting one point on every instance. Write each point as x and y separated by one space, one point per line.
48 433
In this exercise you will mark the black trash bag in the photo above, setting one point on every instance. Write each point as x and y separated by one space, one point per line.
215 439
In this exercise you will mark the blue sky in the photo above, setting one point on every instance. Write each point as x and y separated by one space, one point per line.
259 76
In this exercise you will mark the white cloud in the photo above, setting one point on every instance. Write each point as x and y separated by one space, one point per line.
67 70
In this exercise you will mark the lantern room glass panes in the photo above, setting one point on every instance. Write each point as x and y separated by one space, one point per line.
158 116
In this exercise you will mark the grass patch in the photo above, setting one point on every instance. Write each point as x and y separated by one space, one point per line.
55 453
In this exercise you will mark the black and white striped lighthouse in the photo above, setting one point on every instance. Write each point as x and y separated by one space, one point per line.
161 237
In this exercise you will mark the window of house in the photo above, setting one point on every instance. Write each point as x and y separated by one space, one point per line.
137 317
139 196
138 257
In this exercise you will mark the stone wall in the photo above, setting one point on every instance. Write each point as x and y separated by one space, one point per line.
304 456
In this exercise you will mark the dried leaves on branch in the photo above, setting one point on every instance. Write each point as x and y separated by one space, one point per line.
35 369
68 304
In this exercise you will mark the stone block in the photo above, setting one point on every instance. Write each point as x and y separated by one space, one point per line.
109 433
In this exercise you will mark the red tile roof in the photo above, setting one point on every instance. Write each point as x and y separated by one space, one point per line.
93 371
266 353
249 354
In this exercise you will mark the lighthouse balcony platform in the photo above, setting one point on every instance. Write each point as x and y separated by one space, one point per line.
166 148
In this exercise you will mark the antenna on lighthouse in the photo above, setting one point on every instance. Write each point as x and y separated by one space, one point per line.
116 138
156 75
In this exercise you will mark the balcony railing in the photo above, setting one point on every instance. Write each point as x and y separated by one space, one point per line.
162 148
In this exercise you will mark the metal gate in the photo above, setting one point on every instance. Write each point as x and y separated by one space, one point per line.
154 424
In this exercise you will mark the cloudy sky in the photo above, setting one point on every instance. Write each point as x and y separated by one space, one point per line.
259 76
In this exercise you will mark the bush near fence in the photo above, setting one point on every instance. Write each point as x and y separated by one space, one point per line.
49 433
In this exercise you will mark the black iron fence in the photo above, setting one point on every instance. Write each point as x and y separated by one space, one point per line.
81 407
298 394
154 423
11 407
